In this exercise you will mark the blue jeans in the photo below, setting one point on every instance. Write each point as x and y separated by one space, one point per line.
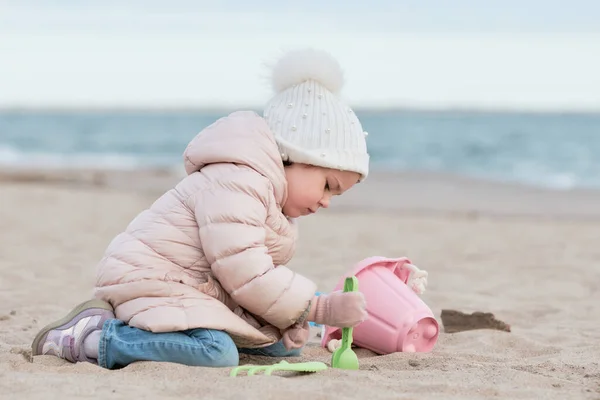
121 345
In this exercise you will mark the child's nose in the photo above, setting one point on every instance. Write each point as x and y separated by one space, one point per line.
325 201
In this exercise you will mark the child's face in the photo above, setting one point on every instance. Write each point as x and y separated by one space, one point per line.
310 188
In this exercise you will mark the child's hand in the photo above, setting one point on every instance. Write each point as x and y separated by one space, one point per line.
339 309
296 336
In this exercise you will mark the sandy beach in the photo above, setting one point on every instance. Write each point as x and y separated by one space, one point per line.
529 256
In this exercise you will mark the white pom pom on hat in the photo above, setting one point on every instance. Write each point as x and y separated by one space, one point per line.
299 66
310 123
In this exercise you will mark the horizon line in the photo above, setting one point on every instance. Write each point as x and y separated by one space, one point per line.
365 108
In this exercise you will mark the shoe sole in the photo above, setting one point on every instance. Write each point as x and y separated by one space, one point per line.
87 305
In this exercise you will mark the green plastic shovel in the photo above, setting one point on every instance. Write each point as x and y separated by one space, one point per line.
345 357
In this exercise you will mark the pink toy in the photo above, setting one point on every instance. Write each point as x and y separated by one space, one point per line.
398 321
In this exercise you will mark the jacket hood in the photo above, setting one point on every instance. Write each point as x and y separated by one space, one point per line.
242 138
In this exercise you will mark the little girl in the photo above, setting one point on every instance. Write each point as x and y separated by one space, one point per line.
200 276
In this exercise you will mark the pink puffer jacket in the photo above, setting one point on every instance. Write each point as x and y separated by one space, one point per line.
211 252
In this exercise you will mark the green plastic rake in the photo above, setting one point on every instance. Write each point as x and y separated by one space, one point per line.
311 366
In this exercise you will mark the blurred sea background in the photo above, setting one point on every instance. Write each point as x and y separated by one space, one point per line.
558 151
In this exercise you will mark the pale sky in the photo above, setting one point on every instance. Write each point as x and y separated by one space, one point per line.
532 54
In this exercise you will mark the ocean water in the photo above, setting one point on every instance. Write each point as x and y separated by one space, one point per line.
559 151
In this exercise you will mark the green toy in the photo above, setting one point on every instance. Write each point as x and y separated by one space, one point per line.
312 366
345 357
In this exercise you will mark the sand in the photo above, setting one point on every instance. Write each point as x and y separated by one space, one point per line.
529 256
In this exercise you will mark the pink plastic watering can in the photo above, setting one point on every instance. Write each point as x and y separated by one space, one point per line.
398 321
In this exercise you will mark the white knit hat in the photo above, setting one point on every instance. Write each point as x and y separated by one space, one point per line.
310 123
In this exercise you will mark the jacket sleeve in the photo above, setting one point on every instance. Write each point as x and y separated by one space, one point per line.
232 221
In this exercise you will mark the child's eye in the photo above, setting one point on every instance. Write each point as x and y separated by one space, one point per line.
327 186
